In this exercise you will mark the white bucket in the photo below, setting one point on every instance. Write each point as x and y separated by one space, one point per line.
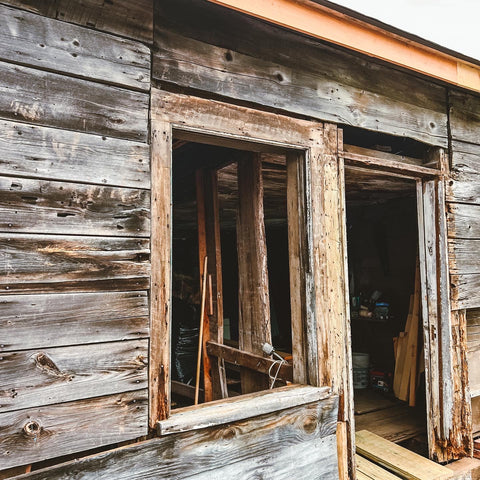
360 363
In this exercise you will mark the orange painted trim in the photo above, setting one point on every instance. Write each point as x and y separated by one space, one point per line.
335 27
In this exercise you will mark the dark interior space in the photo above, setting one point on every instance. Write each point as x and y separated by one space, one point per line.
382 237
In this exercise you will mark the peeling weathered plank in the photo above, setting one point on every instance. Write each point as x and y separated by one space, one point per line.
465 290
47 432
463 256
44 152
34 96
122 17
464 116
463 221
304 76
464 184
65 374
41 206
52 320
299 443
42 42
35 263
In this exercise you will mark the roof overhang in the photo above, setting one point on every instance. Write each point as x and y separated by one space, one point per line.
334 26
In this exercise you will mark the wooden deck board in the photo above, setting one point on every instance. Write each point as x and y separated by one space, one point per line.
367 470
403 462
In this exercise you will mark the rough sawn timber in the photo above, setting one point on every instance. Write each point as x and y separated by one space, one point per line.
37 434
54 154
50 44
299 442
60 319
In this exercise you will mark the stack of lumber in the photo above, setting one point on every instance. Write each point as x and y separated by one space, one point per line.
379 459
406 350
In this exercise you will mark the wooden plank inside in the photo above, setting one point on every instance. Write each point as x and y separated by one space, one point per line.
367 470
254 307
406 464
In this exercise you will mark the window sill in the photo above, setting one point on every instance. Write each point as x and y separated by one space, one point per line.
240 408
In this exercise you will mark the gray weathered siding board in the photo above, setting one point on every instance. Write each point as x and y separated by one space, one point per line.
277 68
39 263
122 17
66 374
72 427
55 154
463 221
464 116
44 98
50 44
464 256
465 291
42 206
294 443
473 344
191 63
52 320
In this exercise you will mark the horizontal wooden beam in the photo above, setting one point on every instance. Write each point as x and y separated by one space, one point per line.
328 24
249 360
234 409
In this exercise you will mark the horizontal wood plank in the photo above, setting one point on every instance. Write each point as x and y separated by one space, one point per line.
299 443
368 470
47 432
53 320
41 206
55 154
46 43
465 291
65 374
464 116
399 460
464 256
122 17
239 408
304 77
463 220
250 360
34 96
464 184
35 263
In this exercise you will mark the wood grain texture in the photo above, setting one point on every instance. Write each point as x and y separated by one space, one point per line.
53 320
161 268
303 76
463 256
66 374
41 433
463 221
54 154
299 443
35 263
122 17
49 44
463 186
464 116
42 206
465 291
473 350
49 99
254 327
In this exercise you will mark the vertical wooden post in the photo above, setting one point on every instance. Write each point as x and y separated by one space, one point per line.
210 245
160 245
254 309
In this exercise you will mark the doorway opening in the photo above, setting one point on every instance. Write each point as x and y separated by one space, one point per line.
230 206
385 307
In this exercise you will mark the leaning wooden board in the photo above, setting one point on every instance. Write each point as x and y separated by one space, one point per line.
399 460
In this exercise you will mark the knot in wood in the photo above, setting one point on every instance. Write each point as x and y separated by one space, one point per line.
32 428
310 423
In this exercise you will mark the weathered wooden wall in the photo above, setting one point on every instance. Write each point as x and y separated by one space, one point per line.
74 228
463 216
295 443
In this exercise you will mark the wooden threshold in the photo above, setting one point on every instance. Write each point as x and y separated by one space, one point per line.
399 460
240 408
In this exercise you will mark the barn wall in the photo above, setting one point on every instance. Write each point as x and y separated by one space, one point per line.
463 195
74 227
